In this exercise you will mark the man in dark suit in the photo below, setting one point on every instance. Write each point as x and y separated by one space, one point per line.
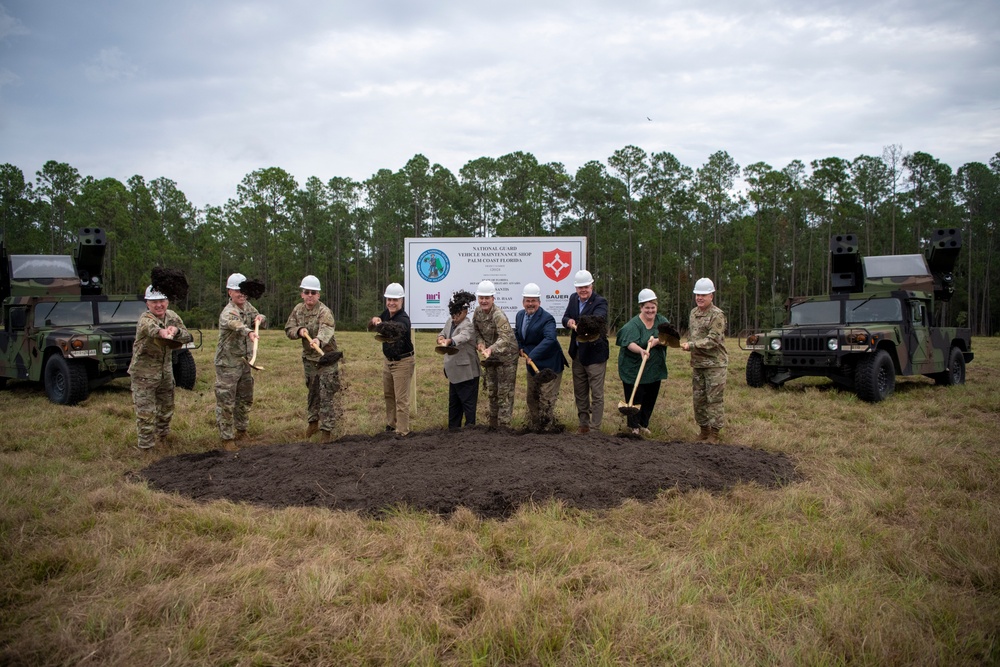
535 331
590 356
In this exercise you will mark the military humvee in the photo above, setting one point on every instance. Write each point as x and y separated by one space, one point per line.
875 324
59 329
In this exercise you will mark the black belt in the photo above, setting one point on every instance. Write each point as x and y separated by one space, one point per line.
400 357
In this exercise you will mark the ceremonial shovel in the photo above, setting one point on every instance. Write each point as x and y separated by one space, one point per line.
544 376
327 358
627 408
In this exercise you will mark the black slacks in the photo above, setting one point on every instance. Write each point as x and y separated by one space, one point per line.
645 397
462 399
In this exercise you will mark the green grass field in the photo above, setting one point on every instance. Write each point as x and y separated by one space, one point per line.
888 551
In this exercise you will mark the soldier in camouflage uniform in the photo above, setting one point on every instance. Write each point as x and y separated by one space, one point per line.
312 317
152 368
495 340
233 380
709 360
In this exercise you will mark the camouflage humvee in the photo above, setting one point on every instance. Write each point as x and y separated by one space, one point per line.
59 329
874 325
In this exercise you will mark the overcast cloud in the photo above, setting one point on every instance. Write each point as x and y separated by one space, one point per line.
206 92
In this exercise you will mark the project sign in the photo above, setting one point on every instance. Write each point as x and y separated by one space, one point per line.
438 267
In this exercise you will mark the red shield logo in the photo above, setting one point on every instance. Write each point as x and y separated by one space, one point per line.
557 264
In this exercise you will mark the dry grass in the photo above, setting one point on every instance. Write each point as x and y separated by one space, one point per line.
887 553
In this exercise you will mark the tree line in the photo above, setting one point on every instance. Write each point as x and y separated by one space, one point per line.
761 233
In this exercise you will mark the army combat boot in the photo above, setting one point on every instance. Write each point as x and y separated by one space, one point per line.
241 435
326 436
230 445
705 433
713 435
312 428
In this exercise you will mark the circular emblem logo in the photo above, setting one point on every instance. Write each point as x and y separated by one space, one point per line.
433 265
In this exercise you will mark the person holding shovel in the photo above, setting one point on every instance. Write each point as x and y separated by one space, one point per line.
461 363
312 322
588 349
399 364
233 381
496 342
642 363
535 330
709 360
157 332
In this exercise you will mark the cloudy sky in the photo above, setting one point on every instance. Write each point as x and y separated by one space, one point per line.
204 92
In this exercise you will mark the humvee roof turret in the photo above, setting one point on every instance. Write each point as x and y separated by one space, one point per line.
875 324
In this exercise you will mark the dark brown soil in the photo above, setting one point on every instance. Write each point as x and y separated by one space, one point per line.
490 473
169 282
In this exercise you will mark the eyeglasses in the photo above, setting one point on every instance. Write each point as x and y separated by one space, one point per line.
309 292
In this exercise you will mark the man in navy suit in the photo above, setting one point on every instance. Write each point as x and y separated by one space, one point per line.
535 331
590 359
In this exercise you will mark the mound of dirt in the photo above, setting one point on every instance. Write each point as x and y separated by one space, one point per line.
490 472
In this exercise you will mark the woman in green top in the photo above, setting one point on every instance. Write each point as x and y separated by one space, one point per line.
633 339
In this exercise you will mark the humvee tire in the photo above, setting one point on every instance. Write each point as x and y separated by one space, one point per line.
875 377
65 381
756 374
185 372
956 369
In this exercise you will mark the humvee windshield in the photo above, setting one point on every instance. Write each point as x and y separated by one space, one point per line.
113 312
815 312
64 314
81 313
856 311
874 310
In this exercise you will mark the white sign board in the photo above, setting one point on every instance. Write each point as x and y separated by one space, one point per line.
438 267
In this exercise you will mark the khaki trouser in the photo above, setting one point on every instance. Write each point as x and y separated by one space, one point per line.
396 390
542 397
588 390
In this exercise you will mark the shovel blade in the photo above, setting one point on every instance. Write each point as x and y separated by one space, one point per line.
627 409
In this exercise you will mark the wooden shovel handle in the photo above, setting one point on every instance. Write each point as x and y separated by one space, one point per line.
313 343
256 330
638 377
530 362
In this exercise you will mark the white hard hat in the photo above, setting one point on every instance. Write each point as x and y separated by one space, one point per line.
394 291
647 295
531 290
310 282
233 282
153 295
583 278
485 289
704 286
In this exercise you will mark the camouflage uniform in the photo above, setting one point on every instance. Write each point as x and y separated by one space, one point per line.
233 380
322 382
707 340
152 374
494 331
